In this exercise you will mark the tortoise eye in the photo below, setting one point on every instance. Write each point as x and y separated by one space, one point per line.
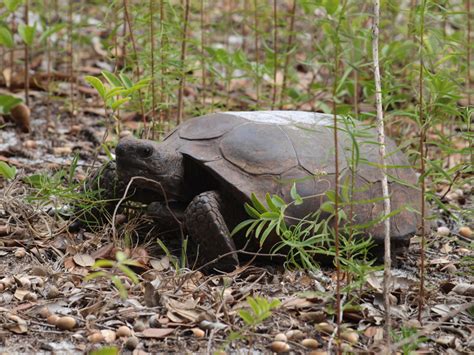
146 152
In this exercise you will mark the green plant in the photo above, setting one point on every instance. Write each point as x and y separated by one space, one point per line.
121 264
259 310
413 345
7 171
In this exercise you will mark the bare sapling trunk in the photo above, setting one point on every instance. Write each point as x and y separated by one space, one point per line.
382 152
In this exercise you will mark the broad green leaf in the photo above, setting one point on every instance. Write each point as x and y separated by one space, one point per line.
50 31
6 38
7 102
12 5
126 81
96 84
327 206
116 104
7 171
331 6
112 78
27 33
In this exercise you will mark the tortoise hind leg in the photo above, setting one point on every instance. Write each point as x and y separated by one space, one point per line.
207 228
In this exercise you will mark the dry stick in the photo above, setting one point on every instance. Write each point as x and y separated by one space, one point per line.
27 59
287 54
422 167
182 79
152 58
385 192
203 58
275 57
137 65
71 57
336 202
257 55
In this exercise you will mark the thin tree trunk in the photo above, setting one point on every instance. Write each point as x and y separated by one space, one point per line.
422 165
385 192
182 80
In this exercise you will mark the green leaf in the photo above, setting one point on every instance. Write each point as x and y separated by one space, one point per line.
6 38
252 212
50 31
103 263
95 275
112 78
27 33
12 5
7 102
106 350
129 272
96 84
327 206
246 316
241 226
116 104
331 6
126 81
295 196
7 171
257 204
120 287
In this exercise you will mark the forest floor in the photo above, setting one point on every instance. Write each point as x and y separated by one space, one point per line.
48 305
43 268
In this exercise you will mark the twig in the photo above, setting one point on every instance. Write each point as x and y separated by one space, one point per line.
386 197
182 79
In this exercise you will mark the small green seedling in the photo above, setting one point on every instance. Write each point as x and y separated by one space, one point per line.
122 264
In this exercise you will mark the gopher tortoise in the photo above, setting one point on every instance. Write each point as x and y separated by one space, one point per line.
208 167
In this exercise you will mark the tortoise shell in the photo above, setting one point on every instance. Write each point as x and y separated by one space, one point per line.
266 151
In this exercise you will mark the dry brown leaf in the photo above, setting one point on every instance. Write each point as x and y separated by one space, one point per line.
155 333
160 265
84 260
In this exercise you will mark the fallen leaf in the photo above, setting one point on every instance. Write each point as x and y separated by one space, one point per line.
155 333
84 260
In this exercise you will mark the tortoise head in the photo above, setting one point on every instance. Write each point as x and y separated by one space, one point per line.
152 161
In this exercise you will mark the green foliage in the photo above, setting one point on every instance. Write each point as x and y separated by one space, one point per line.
413 345
106 350
12 5
7 102
6 38
7 171
119 90
260 309
27 33
113 268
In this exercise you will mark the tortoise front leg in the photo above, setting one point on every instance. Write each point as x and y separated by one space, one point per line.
207 228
